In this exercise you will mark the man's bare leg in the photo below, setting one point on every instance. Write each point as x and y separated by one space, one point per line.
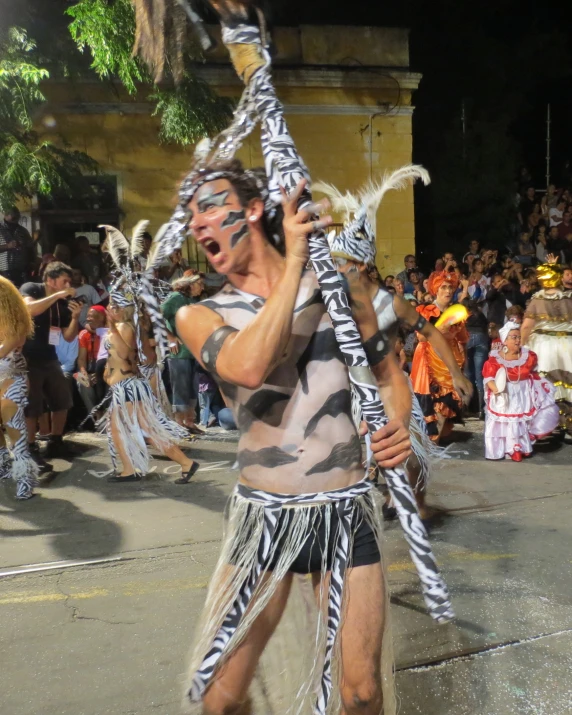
361 641
59 422
228 693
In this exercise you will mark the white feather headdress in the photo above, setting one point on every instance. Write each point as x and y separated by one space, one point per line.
356 241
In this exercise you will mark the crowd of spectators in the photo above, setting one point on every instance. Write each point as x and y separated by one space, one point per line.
67 291
67 295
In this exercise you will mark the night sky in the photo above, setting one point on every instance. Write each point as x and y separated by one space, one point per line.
439 33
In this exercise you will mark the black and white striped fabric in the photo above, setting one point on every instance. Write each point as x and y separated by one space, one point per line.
136 414
347 504
285 167
18 464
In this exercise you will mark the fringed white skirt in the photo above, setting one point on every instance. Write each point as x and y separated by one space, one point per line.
299 672
134 413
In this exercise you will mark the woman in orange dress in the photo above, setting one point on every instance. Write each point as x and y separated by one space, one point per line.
432 381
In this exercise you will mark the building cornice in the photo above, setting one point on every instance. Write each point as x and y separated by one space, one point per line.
332 77
146 108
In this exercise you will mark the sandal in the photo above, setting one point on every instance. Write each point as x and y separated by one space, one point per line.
129 478
186 476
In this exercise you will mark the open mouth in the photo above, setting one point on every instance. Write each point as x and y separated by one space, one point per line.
211 247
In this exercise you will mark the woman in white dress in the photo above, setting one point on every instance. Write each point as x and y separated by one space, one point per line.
520 404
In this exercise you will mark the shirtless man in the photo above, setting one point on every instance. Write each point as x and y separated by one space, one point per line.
134 412
269 341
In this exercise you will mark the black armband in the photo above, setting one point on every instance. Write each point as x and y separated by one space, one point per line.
376 348
213 345
420 324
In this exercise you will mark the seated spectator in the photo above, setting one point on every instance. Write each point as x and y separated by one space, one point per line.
55 319
85 294
526 250
90 383
554 245
549 200
173 267
541 240
62 254
410 264
474 248
17 251
375 276
399 286
566 226
556 214
515 314
478 282
389 281
527 205
496 301
534 219
414 284
512 270
86 261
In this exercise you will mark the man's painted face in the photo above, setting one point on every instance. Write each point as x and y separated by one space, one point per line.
219 223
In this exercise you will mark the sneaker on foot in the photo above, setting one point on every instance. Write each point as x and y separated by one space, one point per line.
56 449
38 459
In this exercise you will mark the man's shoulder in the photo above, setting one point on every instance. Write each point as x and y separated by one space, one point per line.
33 290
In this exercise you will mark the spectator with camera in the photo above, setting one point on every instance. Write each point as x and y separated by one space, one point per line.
56 318
85 294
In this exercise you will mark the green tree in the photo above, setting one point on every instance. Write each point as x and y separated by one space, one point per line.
188 109
29 163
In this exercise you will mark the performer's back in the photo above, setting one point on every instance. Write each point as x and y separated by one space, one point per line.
296 430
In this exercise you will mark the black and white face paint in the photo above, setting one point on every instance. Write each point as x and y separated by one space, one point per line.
218 222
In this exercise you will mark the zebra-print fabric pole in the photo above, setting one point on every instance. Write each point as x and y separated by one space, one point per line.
285 168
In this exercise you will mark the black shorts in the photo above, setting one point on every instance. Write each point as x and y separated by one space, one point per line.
48 389
365 550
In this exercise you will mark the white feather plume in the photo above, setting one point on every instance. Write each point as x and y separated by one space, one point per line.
117 245
156 252
346 203
137 238
371 195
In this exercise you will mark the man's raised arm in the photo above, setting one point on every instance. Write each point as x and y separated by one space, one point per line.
248 356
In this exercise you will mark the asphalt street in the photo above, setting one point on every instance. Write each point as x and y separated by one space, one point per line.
101 585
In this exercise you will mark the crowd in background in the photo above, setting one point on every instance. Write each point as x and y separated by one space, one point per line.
495 286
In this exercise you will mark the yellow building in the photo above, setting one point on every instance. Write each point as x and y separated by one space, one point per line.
347 94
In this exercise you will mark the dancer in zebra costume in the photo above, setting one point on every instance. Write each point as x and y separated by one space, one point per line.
134 414
262 337
15 326
354 248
